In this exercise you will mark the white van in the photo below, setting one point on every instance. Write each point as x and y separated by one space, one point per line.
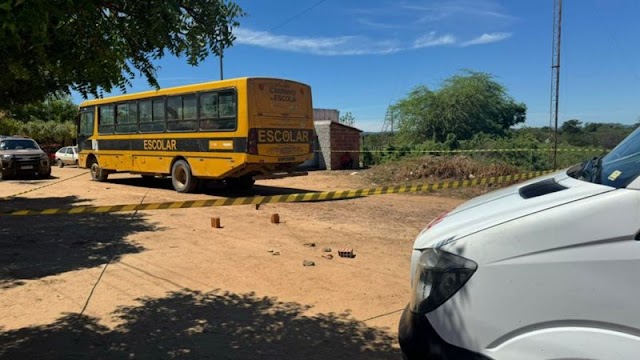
546 269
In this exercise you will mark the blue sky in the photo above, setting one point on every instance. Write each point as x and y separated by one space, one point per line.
361 56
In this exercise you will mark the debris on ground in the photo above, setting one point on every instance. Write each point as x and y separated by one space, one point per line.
327 249
275 218
346 253
310 244
308 263
328 256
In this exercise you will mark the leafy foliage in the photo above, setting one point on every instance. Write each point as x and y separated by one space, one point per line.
347 119
466 104
91 46
57 108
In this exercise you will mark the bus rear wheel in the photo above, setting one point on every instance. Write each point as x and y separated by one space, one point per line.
97 173
181 177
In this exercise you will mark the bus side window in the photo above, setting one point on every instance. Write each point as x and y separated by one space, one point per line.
181 113
126 118
152 115
208 111
106 119
218 111
228 114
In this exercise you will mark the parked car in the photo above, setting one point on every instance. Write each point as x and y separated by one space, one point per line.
20 155
546 269
67 155
50 150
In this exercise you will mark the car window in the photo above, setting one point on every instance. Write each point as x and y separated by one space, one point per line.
21 144
69 151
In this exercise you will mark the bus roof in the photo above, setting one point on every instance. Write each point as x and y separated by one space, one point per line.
174 90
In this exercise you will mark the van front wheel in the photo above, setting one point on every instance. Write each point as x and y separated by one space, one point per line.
181 177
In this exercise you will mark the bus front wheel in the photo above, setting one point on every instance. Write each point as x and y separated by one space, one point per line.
181 177
97 173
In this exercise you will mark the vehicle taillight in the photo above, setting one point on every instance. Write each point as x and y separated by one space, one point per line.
252 143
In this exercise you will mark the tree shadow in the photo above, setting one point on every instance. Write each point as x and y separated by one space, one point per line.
196 325
33 247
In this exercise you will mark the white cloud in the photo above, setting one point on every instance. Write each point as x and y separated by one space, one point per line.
431 39
487 39
354 45
339 45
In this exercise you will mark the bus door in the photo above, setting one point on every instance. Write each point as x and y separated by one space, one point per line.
86 126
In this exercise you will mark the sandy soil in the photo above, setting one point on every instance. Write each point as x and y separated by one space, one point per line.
175 287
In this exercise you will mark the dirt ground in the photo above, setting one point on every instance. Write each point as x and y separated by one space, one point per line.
174 287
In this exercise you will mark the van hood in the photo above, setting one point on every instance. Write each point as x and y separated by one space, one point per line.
501 206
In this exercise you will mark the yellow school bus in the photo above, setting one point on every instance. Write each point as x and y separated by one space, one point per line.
236 131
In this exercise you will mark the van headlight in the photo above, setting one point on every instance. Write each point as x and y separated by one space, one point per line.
438 275
7 156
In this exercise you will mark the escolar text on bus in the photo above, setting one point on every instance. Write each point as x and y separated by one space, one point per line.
160 145
283 136
281 94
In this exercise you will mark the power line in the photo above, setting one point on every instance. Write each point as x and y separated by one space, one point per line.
298 15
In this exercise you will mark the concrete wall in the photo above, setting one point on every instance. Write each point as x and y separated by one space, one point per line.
326 114
323 131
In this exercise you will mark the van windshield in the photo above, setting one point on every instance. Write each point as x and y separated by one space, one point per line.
619 167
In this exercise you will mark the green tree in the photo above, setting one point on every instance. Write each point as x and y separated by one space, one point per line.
58 108
92 46
347 119
466 104
573 126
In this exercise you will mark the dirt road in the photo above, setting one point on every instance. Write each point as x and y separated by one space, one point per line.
176 288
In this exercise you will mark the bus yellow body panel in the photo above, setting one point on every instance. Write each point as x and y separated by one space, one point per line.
224 129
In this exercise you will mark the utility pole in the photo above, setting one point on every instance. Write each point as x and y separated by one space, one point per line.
555 75
221 55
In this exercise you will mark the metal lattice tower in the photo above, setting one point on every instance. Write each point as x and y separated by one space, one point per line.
555 75
388 121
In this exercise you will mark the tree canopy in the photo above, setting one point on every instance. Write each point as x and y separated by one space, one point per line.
466 104
90 46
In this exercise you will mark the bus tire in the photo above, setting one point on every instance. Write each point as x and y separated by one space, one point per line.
181 177
242 183
97 173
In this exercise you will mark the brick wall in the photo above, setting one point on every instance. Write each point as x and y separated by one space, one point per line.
344 139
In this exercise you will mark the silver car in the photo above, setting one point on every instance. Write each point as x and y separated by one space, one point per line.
22 156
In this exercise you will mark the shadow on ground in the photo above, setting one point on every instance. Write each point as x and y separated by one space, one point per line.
30 180
32 247
195 325
211 188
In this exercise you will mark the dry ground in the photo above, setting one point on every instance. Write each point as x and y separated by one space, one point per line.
176 288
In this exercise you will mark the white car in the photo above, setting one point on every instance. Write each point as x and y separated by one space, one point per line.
67 155
546 269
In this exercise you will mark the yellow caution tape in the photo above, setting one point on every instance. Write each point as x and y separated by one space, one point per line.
301 197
